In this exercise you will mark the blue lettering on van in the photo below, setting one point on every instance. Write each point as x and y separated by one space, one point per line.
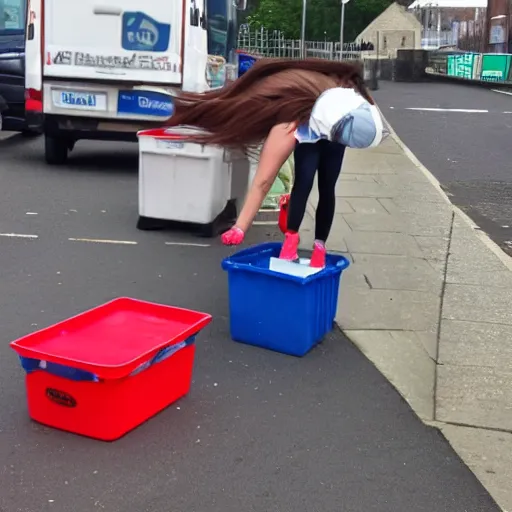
162 106
144 34
147 103
82 99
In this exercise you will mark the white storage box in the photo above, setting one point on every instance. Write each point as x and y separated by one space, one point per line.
184 181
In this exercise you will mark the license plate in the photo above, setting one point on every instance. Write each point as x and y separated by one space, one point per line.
80 100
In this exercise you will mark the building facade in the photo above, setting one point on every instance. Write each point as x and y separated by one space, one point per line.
499 22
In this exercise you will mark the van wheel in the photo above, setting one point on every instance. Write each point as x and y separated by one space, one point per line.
55 150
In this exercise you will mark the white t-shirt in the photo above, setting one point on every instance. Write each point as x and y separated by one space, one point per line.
342 115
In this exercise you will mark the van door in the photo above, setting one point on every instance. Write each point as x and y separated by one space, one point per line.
121 40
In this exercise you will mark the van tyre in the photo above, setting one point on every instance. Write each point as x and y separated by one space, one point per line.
55 150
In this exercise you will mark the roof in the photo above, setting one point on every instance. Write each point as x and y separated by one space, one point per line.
408 17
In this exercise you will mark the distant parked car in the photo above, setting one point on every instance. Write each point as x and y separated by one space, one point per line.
12 64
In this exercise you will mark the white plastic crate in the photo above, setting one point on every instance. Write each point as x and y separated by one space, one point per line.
185 181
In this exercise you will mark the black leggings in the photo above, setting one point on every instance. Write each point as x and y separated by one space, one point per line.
326 157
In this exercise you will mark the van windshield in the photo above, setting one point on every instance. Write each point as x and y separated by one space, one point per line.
12 17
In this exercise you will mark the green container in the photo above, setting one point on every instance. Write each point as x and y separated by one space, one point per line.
495 67
282 185
461 66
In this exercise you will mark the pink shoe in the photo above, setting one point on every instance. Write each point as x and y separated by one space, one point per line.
318 256
290 246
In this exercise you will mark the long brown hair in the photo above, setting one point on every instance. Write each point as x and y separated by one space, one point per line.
273 91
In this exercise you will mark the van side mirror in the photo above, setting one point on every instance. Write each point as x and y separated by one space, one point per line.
241 5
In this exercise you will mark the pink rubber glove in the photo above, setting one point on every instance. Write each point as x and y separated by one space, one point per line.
234 236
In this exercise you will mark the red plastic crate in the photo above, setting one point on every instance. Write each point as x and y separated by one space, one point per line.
114 342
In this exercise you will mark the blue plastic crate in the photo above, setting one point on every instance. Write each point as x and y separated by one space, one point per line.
277 311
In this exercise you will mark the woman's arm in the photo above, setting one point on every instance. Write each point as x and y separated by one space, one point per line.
276 150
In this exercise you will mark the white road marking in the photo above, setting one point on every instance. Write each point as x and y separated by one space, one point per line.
101 241
18 235
502 92
466 110
507 112
264 223
186 244
268 210
31 213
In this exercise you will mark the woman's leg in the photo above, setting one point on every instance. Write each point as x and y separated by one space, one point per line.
329 168
306 156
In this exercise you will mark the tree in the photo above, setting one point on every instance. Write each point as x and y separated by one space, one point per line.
322 20
283 15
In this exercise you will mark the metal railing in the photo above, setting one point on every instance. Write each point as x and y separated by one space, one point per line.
266 43
433 39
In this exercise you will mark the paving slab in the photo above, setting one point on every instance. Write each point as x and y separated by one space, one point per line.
391 272
478 304
355 163
476 344
430 342
475 395
377 242
404 203
433 247
388 147
499 279
348 189
471 263
401 310
416 182
364 178
366 205
343 206
487 453
409 224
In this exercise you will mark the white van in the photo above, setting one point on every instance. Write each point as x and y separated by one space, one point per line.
105 69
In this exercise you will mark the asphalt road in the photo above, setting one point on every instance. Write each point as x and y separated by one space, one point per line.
468 152
259 431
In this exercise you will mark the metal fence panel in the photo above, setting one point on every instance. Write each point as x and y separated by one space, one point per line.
267 43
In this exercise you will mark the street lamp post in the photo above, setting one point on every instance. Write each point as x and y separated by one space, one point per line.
303 31
342 25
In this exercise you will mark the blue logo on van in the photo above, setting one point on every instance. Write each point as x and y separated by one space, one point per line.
146 103
144 34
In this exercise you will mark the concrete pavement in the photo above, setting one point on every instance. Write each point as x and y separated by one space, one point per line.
259 431
428 300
